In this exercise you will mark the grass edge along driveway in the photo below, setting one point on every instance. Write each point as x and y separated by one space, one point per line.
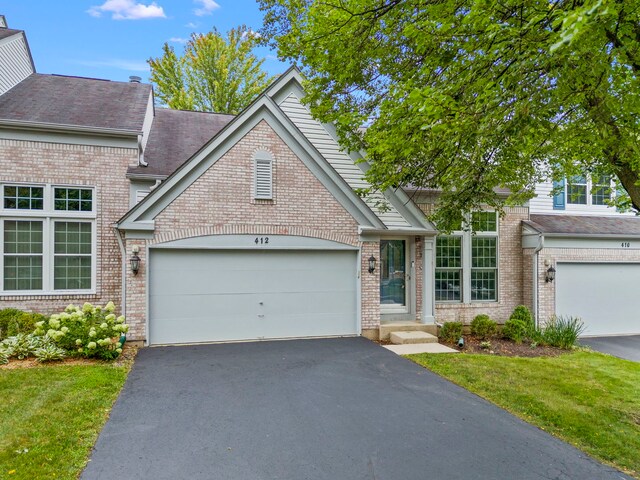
585 398
51 416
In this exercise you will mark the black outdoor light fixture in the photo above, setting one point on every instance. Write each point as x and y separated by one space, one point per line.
551 274
135 261
372 264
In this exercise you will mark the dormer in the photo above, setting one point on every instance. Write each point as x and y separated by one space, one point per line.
16 62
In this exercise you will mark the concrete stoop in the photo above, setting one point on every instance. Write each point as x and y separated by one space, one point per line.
402 338
387 328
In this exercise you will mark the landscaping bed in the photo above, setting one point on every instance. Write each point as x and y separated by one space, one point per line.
504 347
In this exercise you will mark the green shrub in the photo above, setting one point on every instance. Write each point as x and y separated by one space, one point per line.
483 327
49 352
515 329
562 332
522 313
21 345
14 321
4 358
88 331
450 331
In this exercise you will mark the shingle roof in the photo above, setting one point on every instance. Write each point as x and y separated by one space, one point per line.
585 225
76 101
175 136
7 32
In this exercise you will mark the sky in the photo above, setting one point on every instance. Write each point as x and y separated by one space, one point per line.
113 39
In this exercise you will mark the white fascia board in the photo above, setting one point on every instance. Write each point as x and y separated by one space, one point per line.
262 109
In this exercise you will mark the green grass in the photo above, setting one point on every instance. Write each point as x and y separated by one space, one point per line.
587 399
55 413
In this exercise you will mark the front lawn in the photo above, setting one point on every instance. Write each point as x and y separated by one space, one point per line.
51 416
588 399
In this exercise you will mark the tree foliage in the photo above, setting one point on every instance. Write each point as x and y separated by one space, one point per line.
214 73
469 96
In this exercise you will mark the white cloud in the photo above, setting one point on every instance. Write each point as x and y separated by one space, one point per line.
127 10
207 7
129 65
178 40
251 34
191 25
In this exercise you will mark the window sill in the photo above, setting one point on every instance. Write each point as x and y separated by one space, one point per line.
57 293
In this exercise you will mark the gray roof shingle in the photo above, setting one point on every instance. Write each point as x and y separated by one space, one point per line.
7 32
584 225
76 101
175 136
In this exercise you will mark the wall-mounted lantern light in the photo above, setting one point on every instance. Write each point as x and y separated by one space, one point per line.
135 261
550 275
372 264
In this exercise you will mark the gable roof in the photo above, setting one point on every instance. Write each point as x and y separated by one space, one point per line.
76 102
584 225
8 32
141 217
174 137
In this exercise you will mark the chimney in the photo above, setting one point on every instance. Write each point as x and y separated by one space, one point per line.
135 79
3 22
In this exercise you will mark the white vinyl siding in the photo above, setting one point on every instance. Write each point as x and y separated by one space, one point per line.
263 176
542 203
339 160
15 63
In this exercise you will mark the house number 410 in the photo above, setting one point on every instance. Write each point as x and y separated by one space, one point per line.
261 240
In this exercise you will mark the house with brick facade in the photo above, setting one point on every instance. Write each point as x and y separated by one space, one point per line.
207 227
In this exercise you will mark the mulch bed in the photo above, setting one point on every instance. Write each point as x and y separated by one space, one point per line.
126 358
505 348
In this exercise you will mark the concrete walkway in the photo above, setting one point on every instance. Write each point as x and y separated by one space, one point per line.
413 348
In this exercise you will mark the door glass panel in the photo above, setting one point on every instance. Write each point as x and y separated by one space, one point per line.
392 272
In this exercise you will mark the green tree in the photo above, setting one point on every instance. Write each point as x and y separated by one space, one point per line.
214 73
469 96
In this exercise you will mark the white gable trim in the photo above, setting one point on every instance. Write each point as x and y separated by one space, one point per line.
265 109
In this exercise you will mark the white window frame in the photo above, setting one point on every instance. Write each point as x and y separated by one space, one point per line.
262 156
466 235
589 193
48 216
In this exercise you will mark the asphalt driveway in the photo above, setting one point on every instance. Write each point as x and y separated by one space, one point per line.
627 347
315 409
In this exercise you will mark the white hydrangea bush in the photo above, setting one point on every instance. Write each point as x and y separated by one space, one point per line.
88 331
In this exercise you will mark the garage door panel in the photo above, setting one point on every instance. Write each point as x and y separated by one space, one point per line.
604 295
215 295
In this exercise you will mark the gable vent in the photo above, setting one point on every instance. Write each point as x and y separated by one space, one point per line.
263 166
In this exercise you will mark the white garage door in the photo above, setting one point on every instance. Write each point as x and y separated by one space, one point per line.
219 295
605 295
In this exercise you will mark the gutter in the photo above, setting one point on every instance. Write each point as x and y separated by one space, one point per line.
54 127
123 254
536 299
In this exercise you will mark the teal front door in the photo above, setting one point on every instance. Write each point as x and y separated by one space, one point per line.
393 278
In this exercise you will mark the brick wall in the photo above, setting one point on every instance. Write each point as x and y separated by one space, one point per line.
221 202
78 165
510 271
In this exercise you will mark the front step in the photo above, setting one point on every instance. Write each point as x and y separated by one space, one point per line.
387 328
403 338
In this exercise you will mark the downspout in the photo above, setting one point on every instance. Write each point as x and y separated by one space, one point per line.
123 254
141 161
535 277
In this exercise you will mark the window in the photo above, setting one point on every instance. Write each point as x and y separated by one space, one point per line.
467 262
577 191
601 190
47 237
263 176
582 190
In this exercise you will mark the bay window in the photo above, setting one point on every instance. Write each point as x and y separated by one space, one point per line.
47 234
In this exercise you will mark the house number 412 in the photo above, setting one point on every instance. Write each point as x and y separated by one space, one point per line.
261 240
625 245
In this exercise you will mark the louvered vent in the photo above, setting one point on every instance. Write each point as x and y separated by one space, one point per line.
263 178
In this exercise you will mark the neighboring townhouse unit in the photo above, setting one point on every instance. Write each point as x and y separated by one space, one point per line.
211 227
